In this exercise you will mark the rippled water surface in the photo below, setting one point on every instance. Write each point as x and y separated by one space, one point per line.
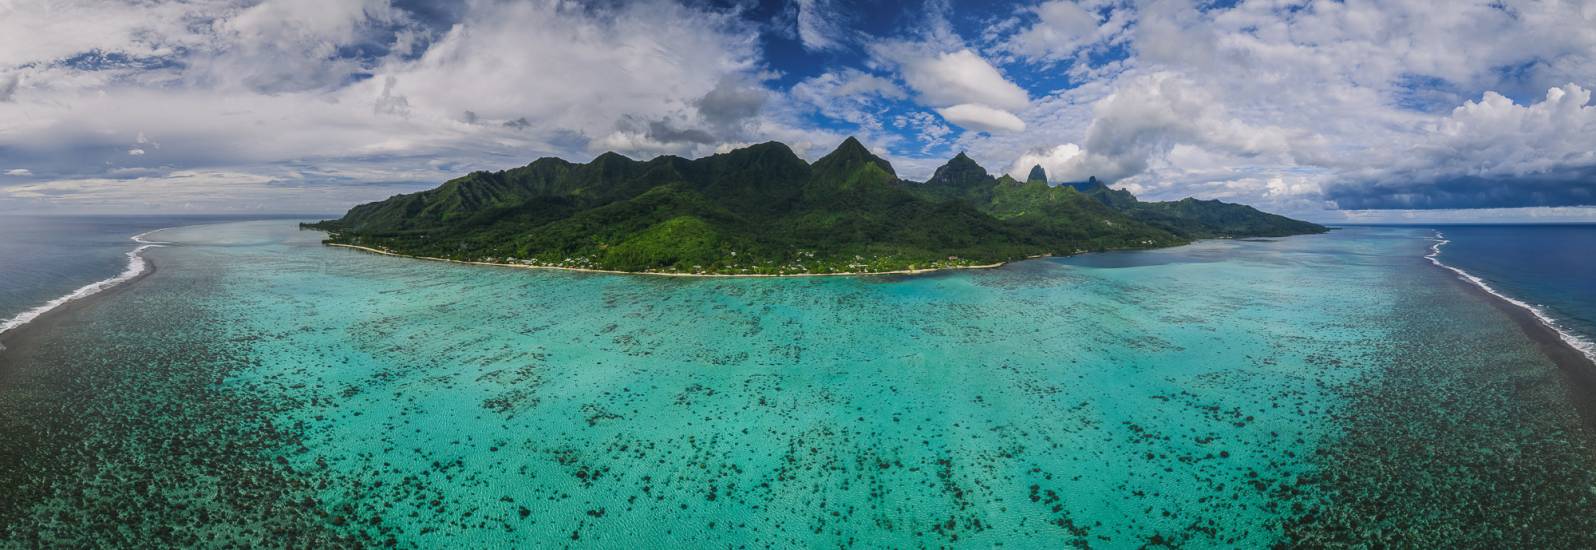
260 386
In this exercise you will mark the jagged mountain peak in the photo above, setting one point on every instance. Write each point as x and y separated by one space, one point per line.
849 155
959 170
1037 174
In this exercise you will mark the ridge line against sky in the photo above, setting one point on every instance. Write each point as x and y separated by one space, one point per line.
1331 111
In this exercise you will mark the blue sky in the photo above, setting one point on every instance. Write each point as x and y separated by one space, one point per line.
1399 110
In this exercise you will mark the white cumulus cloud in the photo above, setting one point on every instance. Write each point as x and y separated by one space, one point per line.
1495 136
1490 152
247 86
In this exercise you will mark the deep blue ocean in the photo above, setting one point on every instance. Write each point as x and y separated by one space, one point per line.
43 258
1551 267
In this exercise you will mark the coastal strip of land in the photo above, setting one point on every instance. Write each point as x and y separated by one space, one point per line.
661 274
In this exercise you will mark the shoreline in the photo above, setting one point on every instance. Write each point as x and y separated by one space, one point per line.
1577 366
657 274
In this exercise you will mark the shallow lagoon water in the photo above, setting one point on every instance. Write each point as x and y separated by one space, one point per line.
1305 390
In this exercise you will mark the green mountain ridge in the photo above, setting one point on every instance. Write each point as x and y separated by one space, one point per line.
763 210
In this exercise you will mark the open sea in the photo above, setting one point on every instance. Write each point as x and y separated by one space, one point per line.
1314 390
1550 269
46 261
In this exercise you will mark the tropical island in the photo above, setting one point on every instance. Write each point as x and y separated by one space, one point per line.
763 210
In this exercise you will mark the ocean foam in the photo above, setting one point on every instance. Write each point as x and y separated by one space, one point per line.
135 267
1584 346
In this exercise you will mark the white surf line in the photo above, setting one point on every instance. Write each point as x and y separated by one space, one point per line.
135 267
1584 346
139 238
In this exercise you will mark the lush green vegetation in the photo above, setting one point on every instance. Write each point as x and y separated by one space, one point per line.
763 210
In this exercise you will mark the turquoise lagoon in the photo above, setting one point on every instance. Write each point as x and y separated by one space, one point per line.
260 387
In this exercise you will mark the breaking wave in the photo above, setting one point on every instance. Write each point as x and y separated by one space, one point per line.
135 267
1584 346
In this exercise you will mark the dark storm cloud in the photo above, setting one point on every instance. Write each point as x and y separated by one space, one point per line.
664 132
8 86
1573 188
731 102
